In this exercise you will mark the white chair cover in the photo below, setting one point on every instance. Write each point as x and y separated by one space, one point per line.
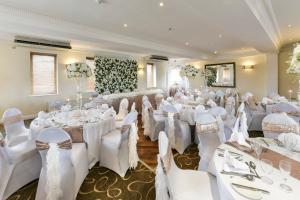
230 106
154 120
19 165
211 103
210 132
289 109
123 109
65 165
118 148
177 184
276 123
14 126
158 99
179 132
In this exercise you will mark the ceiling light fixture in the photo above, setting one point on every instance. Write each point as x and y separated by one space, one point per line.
187 43
161 4
220 35
125 25
215 52
290 25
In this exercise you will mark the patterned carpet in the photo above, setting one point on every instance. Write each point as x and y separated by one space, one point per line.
139 184
104 184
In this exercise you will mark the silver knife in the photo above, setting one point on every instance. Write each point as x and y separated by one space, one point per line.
250 188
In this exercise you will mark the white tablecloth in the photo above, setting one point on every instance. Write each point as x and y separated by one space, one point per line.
224 181
92 133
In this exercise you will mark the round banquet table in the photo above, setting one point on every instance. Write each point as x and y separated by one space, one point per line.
228 193
92 131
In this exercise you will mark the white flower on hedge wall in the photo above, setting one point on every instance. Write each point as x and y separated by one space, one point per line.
115 75
189 71
295 62
78 70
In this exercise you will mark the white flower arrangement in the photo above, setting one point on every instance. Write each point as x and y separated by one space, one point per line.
189 71
78 70
295 63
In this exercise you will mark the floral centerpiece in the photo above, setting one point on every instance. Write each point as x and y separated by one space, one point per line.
78 70
189 71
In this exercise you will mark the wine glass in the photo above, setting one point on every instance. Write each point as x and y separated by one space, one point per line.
257 148
285 168
267 168
290 143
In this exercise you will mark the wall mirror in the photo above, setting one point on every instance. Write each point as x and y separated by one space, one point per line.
220 75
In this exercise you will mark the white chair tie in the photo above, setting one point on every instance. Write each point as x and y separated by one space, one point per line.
133 155
53 188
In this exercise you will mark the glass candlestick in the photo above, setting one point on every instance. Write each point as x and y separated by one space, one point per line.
290 95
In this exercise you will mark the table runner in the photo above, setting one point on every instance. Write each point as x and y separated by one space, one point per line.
271 155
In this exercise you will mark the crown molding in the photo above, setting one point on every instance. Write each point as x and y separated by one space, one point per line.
25 22
264 13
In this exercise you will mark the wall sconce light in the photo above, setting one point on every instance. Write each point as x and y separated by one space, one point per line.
248 67
140 70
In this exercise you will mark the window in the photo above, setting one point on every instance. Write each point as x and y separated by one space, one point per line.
174 77
43 74
151 75
91 81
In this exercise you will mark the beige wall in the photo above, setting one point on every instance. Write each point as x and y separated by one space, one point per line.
254 81
15 84
286 81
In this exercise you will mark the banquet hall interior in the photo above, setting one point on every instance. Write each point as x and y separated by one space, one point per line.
149 99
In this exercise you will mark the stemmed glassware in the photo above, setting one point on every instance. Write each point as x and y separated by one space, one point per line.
257 148
285 168
267 168
290 143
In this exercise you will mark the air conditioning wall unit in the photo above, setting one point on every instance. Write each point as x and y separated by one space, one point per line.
159 58
29 41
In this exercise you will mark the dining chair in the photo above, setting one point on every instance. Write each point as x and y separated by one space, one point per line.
20 164
64 165
179 132
174 183
277 123
210 133
118 148
123 109
154 121
14 126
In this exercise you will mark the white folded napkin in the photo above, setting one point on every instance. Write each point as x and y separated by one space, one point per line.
211 103
66 108
266 101
230 164
109 113
73 122
104 106
42 115
238 137
287 137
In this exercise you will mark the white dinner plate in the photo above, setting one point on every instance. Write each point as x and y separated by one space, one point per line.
248 194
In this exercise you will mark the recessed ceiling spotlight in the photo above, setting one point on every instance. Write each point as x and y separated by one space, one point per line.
161 4
290 25
100 1
215 52
170 29
125 25
187 43
220 35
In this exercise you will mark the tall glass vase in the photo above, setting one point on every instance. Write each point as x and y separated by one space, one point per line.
298 93
79 93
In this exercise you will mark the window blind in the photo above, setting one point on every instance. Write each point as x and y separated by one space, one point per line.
43 74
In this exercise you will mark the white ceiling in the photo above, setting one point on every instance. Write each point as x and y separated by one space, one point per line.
246 26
